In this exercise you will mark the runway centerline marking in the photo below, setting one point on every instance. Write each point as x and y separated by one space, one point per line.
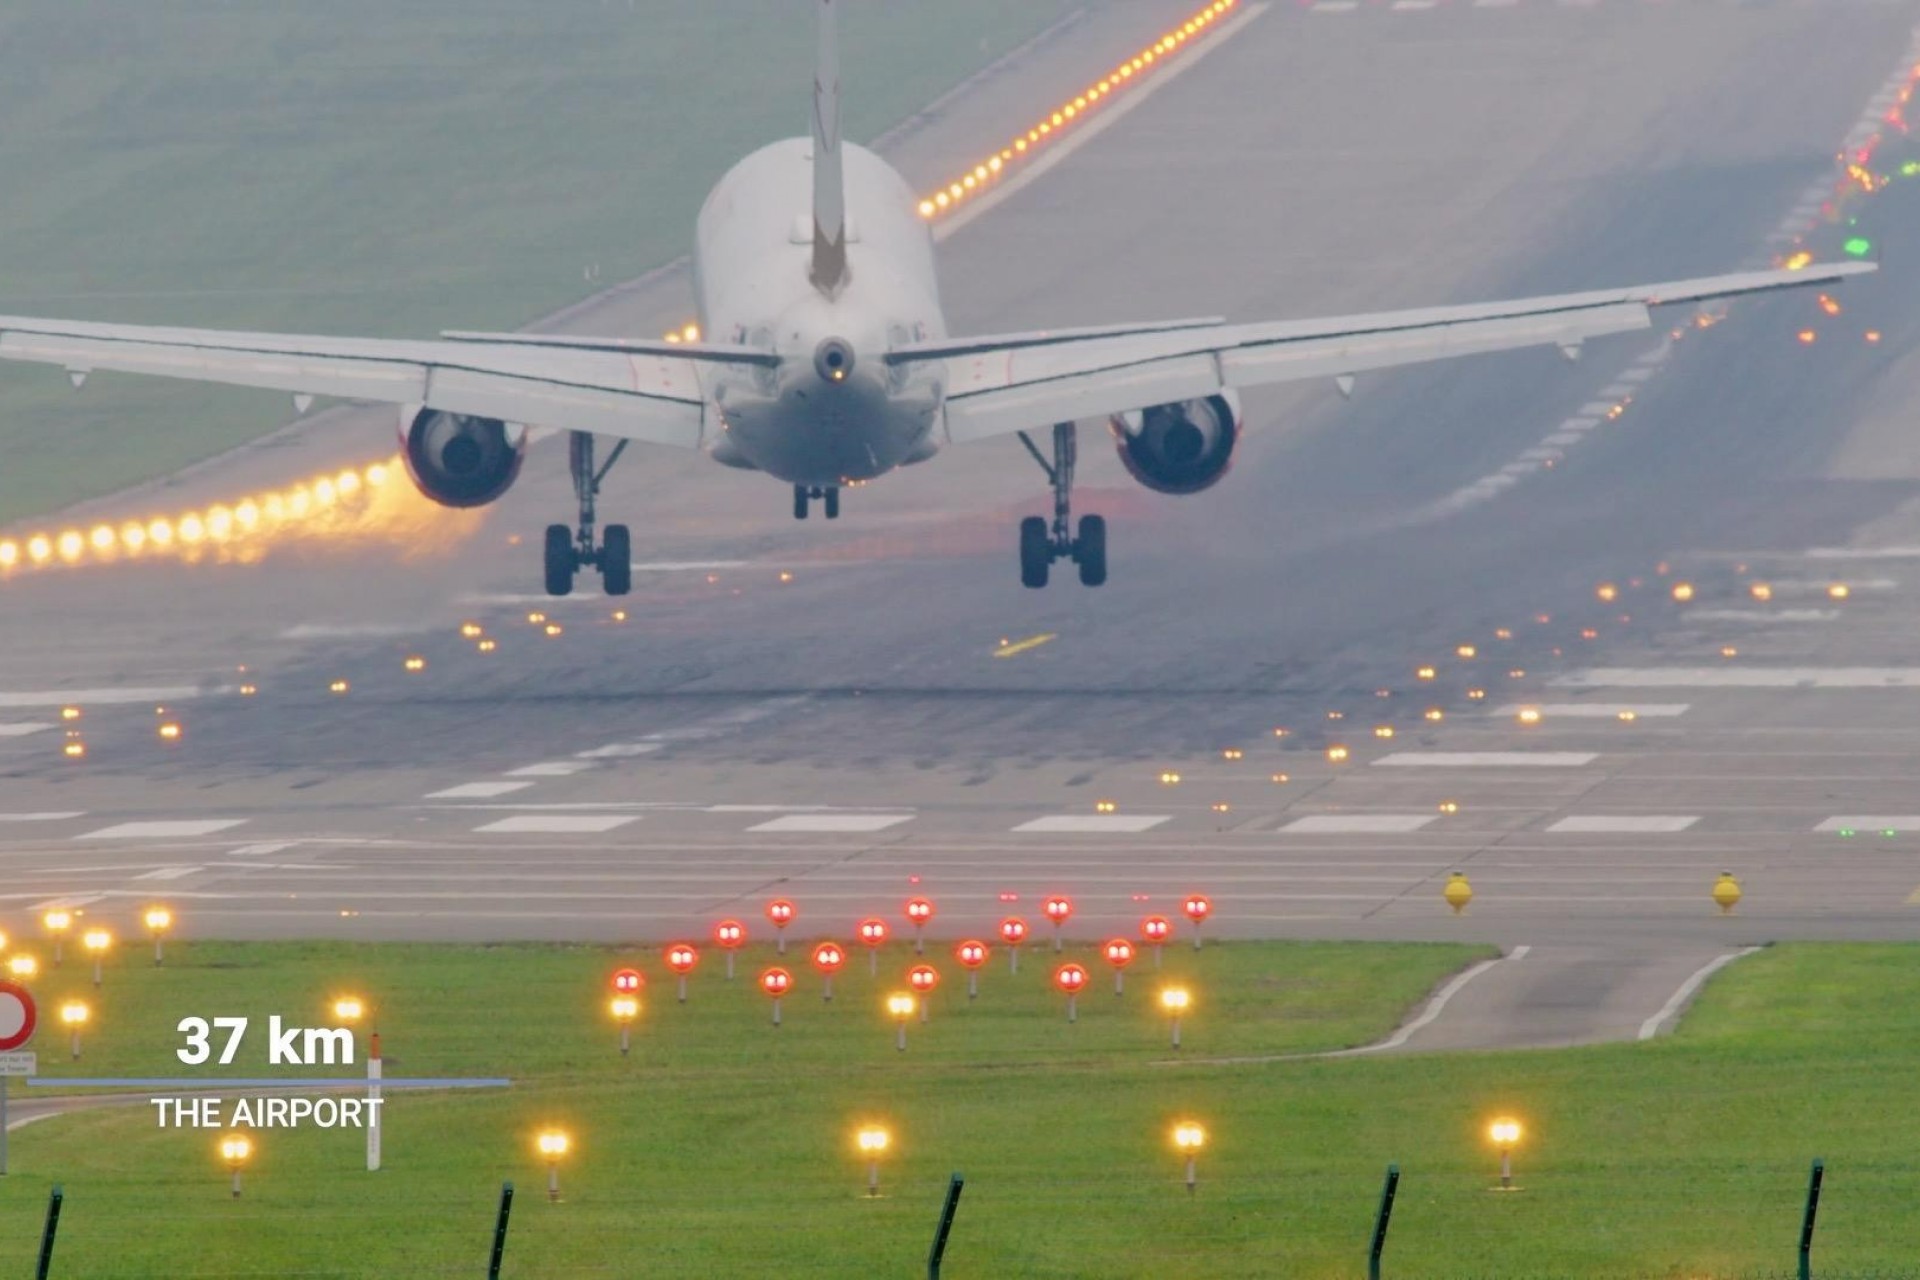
1095 823
478 790
1360 823
1623 824
1014 647
557 824
834 822
1651 1027
163 829
550 769
168 873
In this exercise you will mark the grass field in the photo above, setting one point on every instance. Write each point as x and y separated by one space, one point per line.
379 168
723 1146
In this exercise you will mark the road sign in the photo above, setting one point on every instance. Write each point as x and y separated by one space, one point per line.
18 1064
17 1016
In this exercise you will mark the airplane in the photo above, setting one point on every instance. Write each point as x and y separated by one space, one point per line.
825 362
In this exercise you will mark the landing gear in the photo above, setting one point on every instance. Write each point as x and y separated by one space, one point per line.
829 499
1041 544
570 550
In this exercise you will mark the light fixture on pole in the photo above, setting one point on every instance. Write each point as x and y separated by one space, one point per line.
1013 932
900 1007
873 1141
1058 909
923 978
1197 909
681 957
1070 978
73 1016
1155 930
776 982
873 935
781 912
1505 1133
1188 1137
625 1009
97 942
1175 1000
236 1149
1119 954
56 922
827 958
729 936
919 911
971 954
553 1145
158 920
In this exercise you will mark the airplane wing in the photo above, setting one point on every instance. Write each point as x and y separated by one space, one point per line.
1021 381
639 394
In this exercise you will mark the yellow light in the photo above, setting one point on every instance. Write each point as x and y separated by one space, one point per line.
23 966
74 750
73 1013
248 690
1103 806
348 483
1503 633
1529 715
1683 591
158 919
926 208
901 1005
9 554
133 535
57 920
219 523
1467 651
70 545
1629 715
1383 731
1449 806
96 940
1435 714
872 1140
169 732
619 615
1505 1132
1188 1136
101 538
554 629
1231 753
415 662
376 474
1336 754
1476 695
1839 591
1425 673
1176 999
338 686
236 1150
625 1008
349 1008
323 492
69 713
1169 778
536 617
487 646
1799 261
191 529
471 630
1728 651
1761 591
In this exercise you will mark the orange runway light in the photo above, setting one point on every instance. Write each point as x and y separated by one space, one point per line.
729 936
1013 932
681 957
827 958
1119 954
923 978
1058 909
781 912
972 955
776 982
1155 930
1070 978
919 911
1197 908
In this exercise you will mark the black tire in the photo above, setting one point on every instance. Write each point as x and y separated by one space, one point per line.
799 503
1036 552
559 560
833 503
1090 550
616 560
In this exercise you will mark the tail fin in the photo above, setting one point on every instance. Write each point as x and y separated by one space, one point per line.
829 190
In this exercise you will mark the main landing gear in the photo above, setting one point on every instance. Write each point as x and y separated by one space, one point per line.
829 500
569 550
1041 544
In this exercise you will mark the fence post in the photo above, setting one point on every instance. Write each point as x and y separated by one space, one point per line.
947 1210
1806 1224
46 1236
500 1231
1380 1221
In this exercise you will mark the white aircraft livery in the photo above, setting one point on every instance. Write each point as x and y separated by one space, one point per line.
825 360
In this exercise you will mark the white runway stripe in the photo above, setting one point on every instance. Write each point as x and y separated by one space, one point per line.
832 822
1623 824
168 873
1377 824
21 728
557 824
1872 822
550 769
163 829
1489 759
49 816
103 697
478 790
1594 710
1736 677
1095 823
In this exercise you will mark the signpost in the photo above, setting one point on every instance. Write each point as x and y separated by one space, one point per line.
17 1018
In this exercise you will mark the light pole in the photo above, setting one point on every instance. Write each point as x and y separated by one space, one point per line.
1505 1133
1070 978
97 942
971 954
873 935
1059 910
681 957
923 978
729 936
1013 932
919 911
1156 930
553 1144
900 1007
1197 908
873 1141
776 982
236 1150
1119 953
348 1010
158 921
781 912
1188 1137
625 1009
57 922
1175 1000
73 1016
827 958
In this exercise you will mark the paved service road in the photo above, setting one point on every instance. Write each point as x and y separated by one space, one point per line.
830 710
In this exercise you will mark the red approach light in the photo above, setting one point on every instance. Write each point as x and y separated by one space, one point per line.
1197 908
1070 978
627 981
781 912
1058 909
919 910
776 982
1156 929
971 954
873 931
1119 953
828 956
730 934
681 957
1013 930
923 978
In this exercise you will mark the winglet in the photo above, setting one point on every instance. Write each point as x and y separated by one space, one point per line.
829 270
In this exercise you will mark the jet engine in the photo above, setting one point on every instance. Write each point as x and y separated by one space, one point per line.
1179 448
460 461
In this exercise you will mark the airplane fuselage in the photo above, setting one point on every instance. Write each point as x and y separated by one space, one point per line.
833 411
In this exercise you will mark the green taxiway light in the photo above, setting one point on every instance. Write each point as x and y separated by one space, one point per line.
1889 832
1846 833
1859 246
1910 169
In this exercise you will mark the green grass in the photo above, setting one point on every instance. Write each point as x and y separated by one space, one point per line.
722 1144
723 1147
376 168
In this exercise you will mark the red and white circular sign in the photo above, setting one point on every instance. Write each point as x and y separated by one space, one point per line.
17 1016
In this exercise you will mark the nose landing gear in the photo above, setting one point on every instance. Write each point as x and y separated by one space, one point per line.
570 550
1040 543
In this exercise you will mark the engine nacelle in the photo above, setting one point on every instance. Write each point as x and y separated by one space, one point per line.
1179 448
460 461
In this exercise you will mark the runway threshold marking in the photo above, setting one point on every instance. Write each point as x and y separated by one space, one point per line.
1013 648
1651 1027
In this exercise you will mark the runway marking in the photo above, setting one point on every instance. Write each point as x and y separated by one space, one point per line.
1760 615
163 829
1731 677
558 824
1360 823
618 751
351 631
1014 647
1862 553
478 790
21 728
104 697
823 822
1852 822
1095 823
1489 759
549 769
1623 824
168 873
1593 710
262 850
69 902
49 816
1434 1007
1651 1027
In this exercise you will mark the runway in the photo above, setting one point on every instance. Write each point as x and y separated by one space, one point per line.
845 713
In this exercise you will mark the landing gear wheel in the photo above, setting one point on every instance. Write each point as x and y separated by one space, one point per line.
799 502
833 503
616 559
1090 551
560 564
1036 552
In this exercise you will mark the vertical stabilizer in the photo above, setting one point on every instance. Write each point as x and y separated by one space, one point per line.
829 188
